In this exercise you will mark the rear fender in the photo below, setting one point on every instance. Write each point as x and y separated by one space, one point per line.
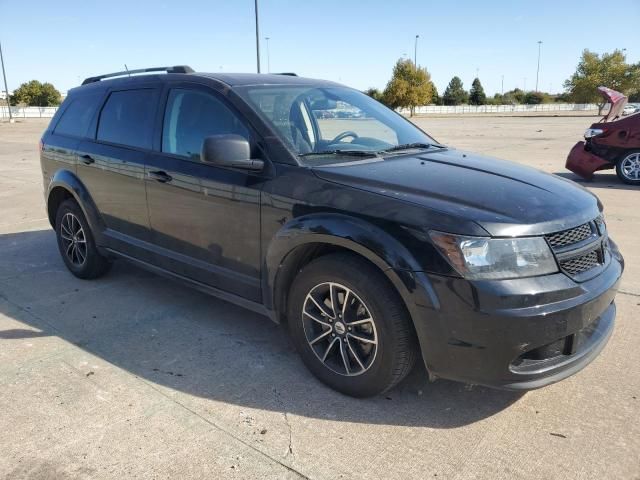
68 181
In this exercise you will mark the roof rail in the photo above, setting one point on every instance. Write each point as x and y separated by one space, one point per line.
175 69
288 74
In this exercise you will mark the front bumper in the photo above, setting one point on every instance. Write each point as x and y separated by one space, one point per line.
584 162
518 334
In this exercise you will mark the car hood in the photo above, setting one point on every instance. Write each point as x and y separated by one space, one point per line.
504 198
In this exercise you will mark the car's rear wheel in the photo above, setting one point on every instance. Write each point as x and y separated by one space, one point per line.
628 168
350 326
76 243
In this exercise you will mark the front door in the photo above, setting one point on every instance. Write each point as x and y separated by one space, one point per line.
205 220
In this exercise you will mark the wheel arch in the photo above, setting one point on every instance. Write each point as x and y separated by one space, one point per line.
64 185
309 237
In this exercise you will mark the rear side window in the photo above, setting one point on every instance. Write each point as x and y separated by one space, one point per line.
77 116
191 116
127 118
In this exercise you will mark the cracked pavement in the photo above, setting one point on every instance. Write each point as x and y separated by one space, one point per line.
135 376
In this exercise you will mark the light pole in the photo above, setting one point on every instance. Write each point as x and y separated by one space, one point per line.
538 70
6 89
257 37
415 52
502 87
268 59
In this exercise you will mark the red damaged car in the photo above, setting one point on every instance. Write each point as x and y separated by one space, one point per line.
614 142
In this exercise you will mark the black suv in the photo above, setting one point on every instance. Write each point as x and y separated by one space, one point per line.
322 209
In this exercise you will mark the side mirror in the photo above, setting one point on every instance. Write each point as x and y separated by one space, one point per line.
231 151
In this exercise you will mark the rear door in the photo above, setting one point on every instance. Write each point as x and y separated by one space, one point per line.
112 165
68 127
205 220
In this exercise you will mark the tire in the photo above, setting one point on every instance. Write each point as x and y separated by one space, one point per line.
628 168
379 353
76 244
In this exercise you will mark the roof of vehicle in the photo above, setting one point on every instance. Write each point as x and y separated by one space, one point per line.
230 79
237 79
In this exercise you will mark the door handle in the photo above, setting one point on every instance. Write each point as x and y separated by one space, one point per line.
160 176
87 159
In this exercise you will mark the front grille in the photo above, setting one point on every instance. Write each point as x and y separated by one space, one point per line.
569 247
580 264
571 236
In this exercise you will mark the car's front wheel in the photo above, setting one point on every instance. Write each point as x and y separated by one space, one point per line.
76 243
628 168
350 326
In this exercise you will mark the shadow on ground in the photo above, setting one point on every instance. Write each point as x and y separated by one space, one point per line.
600 180
175 337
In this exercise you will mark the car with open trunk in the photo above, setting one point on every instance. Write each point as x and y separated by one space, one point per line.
611 143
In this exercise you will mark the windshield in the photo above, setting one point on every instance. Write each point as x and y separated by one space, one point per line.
317 123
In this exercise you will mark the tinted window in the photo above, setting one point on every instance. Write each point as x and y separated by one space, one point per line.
190 117
77 116
127 118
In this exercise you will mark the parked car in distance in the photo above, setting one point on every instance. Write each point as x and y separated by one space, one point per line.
371 242
630 109
614 142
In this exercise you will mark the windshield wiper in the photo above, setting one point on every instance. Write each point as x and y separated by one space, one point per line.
411 146
350 153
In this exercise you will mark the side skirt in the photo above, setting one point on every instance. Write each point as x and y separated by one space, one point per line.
215 292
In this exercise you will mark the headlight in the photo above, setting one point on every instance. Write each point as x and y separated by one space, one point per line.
593 132
496 258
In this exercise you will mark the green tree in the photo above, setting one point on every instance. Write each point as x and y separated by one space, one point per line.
513 96
495 100
374 93
36 94
609 70
455 94
435 98
477 95
533 98
409 86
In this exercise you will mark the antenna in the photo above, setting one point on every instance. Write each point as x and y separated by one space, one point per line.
127 69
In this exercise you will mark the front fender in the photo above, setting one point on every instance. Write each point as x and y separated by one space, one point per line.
359 236
67 180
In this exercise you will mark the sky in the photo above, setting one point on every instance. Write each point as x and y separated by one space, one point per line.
352 42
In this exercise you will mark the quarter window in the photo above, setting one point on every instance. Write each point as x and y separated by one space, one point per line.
127 118
191 116
77 116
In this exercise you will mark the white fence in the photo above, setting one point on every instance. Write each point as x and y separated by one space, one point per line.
47 112
28 112
543 107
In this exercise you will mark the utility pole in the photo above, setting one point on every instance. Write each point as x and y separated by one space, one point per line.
415 52
524 89
502 85
268 59
257 37
538 70
6 89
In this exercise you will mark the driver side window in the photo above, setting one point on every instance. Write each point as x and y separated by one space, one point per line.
192 115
